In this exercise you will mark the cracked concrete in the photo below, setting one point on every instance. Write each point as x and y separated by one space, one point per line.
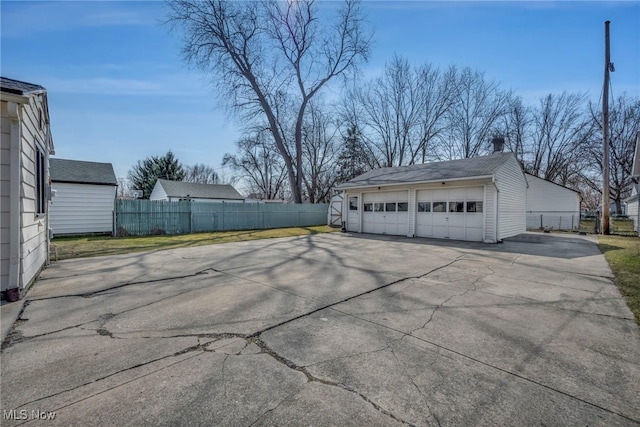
329 330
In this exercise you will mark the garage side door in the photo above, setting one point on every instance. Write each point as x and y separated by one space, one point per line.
386 213
450 214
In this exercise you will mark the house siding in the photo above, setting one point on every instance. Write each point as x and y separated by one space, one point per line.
33 244
82 208
551 205
5 188
158 193
512 193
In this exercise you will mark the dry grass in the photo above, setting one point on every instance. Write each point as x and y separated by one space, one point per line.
89 246
623 256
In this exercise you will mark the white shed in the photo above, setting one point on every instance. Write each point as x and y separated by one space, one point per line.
550 205
477 199
24 192
173 191
85 195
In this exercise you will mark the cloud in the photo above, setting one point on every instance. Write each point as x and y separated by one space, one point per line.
21 19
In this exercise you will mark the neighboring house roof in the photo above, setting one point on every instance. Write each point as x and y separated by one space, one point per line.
428 172
199 191
18 87
81 172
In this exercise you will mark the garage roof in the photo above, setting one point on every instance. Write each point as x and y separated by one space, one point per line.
427 172
81 172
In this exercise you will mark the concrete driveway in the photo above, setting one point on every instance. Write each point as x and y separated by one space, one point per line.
328 329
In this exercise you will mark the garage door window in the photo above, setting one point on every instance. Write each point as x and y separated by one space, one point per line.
474 207
424 206
353 203
368 207
378 207
403 206
439 206
457 207
390 207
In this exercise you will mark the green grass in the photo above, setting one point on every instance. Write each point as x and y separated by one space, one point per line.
623 256
89 246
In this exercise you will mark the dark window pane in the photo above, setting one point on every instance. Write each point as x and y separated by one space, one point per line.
424 206
353 203
368 207
439 206
378 207
403 206
390 207
474 207
456 206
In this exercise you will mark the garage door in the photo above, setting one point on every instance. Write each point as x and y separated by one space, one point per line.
386 213
450 214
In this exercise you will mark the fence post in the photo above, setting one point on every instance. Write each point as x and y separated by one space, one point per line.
541 222
560 226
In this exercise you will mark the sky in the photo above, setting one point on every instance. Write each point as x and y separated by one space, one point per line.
119 91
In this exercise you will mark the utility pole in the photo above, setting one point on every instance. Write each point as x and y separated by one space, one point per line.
605 132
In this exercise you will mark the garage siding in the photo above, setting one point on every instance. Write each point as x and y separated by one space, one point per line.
490 213
551 205
82 208
512 199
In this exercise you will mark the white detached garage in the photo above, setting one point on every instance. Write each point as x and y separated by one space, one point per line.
479 199
85 195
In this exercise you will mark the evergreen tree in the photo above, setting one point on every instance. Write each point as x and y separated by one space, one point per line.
354 158
144 174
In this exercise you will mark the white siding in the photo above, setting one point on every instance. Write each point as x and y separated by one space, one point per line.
490 213
32 246
512 195
5 173
551 205
158 193
82 208
632 210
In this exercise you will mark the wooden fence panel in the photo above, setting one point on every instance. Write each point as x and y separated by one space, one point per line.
146 217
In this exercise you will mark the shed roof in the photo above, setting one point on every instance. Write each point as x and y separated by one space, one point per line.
199 191
434 171
18 87
81 172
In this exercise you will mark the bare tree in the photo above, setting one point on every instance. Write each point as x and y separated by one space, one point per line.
258 164
474 117
515 127
624 124
271 57
201 173
320 135
560 136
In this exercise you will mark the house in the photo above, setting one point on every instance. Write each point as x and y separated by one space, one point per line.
551 205
476 199
84 197
632 208
26 145
173 191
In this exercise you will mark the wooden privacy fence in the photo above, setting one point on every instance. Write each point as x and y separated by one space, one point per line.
146 217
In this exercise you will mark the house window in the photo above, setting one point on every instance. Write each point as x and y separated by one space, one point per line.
403 206
456 206
378 207
390 207
353 203
368 207
439 206
424 206
474 207
41 199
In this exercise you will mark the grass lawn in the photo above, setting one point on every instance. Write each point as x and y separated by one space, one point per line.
88 246
623 255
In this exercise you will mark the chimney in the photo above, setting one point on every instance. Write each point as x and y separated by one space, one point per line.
498 144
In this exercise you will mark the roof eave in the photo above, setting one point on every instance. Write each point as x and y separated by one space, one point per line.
14 97
470 178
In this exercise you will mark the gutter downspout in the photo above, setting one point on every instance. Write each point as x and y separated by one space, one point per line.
496 205
15 249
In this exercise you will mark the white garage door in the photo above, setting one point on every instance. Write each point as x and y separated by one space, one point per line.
450 214
386 213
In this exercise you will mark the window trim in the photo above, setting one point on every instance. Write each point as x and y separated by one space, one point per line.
40 181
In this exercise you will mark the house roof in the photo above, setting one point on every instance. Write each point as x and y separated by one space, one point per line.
80 172
199 191
434 171
18 87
